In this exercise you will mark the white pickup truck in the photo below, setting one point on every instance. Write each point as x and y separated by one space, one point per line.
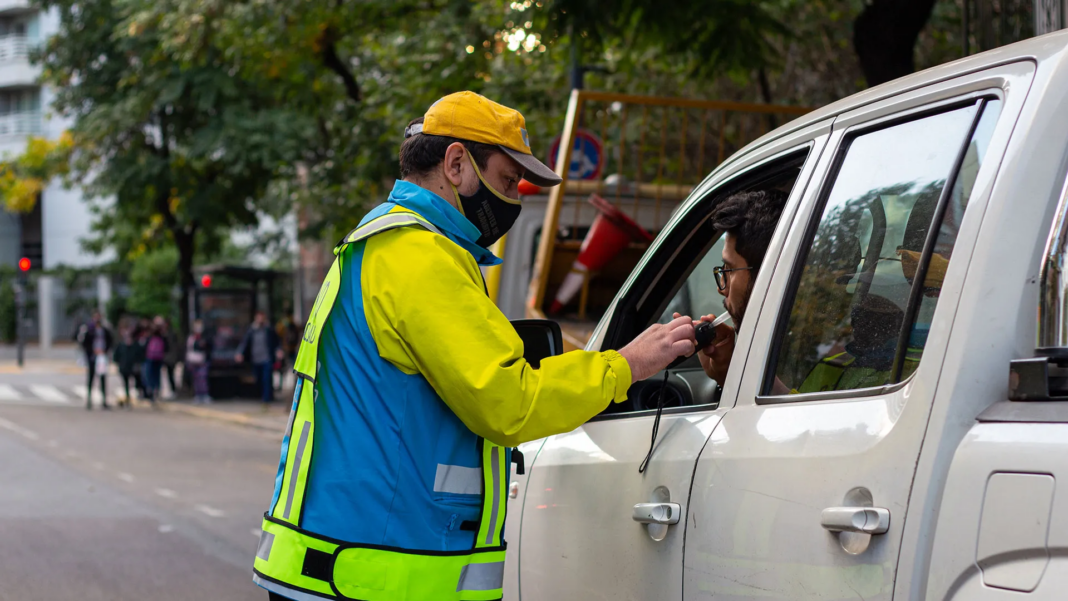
925 240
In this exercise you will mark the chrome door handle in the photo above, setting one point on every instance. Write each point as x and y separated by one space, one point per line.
657 513
868 520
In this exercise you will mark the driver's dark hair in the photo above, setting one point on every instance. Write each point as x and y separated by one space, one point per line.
751 218
419 154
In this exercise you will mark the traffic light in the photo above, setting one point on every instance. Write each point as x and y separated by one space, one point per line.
24 264
205 281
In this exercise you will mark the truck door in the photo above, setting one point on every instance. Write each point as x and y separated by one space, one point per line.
802 489
582 536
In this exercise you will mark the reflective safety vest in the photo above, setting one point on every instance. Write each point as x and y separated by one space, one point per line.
303 565
838 373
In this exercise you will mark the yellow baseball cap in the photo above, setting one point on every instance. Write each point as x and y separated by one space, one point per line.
470 116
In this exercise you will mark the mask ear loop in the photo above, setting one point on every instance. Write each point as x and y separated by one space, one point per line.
489 187
459 203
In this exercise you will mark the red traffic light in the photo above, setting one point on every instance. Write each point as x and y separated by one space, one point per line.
205 281
24 264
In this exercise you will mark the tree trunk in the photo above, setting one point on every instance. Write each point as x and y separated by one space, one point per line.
884 37
185 243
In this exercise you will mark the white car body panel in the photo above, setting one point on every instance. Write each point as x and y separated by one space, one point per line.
753 475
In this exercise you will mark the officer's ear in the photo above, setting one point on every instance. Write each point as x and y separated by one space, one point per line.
455 163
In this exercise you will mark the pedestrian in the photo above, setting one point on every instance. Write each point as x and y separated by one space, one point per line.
95 339
170 360
141 335
289 334
197 361
126 358
260 346
155 352
413 383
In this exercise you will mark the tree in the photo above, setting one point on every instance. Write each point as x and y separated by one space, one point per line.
152 284
171 142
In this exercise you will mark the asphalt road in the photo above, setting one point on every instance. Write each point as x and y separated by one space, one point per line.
125 505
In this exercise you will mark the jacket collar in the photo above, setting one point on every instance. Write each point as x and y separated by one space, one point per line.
441 214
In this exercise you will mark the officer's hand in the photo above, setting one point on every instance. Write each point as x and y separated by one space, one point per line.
716 357
655 348
239 358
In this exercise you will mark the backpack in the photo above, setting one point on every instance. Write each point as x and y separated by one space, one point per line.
156 349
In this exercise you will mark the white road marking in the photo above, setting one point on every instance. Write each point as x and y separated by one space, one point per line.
256 532
210 511
125 477
8 393
17 429
53 443
165 528
49 393
166 492
98 465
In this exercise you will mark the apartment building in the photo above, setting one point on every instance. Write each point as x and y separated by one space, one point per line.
50 234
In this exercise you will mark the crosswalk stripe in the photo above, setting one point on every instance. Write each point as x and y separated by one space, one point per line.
8 393
48 393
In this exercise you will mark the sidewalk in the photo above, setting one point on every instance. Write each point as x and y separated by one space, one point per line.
61 358
241 412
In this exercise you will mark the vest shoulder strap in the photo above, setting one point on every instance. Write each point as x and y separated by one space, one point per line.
387 222
307 364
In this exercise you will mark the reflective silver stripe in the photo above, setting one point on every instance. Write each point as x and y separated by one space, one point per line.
481 577
458 480
287 592
385 222
264 550
296 468
495 465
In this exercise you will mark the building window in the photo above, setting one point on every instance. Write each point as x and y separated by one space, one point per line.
20 112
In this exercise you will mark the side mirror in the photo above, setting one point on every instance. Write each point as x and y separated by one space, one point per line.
541 339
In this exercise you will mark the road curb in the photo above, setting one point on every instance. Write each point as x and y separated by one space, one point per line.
223 416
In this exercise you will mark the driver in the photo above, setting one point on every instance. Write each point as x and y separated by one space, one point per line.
748 221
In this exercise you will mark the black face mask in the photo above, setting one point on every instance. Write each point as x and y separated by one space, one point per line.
490 211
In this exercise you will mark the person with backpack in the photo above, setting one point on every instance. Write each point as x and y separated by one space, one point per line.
155 353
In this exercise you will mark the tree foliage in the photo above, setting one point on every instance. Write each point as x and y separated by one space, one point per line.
195 117
175 142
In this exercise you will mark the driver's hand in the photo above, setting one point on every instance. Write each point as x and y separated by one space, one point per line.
716 357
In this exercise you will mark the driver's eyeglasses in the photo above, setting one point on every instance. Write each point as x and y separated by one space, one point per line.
721 272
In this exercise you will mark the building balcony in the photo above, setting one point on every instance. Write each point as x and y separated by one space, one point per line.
14 48
20 125
15 68
15 7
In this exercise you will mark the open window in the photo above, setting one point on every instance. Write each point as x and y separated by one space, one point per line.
679 278
864 293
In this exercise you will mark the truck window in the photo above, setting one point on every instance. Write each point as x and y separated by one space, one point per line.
681 280
857 283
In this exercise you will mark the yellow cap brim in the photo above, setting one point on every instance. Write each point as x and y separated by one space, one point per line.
537 173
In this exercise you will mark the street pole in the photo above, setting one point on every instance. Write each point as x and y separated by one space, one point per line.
20 304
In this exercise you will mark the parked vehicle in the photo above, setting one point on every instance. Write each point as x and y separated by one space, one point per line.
943 197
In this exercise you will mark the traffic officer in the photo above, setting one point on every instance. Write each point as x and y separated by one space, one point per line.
412 386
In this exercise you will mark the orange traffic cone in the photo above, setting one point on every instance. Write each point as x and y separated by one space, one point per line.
610 233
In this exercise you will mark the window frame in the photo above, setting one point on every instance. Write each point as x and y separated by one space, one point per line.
634 298
978 101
